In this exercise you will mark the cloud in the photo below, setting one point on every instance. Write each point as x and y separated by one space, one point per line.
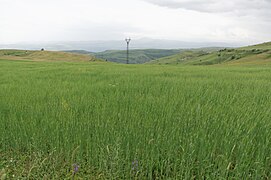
187 20
240 20
216 6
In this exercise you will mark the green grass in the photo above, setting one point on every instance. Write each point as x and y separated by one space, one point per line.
177 122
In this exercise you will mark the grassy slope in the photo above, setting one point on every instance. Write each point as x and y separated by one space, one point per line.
262 55
266 45
178 58
79 52
233 56
257 54
44 56
136 56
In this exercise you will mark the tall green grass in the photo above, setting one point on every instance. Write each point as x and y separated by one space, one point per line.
134 121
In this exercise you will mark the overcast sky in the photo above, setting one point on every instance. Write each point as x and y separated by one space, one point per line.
246 21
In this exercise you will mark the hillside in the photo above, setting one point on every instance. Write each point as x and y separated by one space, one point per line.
79 52
44 56
256 54
178 58
139 56
263 46
185 56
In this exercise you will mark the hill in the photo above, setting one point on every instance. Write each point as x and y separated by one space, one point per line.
136 56
185 56
263 46
79 52
45 56
256 54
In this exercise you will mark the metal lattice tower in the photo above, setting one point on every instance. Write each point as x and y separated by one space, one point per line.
128 40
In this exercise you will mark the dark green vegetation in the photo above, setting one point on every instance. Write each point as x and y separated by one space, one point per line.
257 54
139 56
134 121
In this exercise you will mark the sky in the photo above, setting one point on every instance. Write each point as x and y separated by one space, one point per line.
245 21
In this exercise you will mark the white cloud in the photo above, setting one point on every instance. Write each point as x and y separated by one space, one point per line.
188 20
215 5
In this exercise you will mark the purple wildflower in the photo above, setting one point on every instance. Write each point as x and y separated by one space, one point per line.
135 166
75 168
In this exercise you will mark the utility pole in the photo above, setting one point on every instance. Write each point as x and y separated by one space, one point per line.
128 42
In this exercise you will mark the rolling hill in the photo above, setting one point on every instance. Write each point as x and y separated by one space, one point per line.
139 56
263 46
79 52
256 54
45 56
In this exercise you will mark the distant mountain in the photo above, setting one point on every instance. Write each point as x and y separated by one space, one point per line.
99 46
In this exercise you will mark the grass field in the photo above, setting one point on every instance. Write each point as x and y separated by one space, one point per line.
116 121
